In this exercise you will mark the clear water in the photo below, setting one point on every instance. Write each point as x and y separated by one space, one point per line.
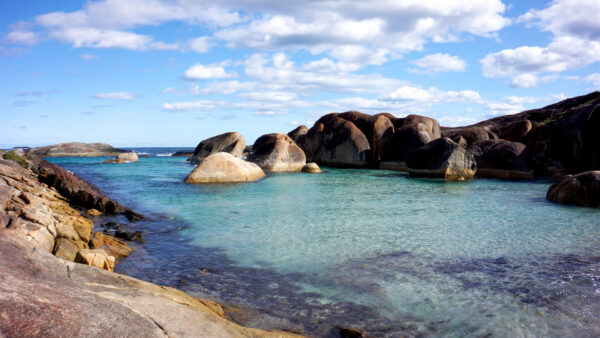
366 248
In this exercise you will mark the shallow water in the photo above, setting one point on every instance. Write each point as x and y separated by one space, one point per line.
366 248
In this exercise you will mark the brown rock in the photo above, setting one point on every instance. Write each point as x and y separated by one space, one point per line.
442 158
311 168
76 149
501 159
96 257
224 168
277 153
341 144
582 189
6 194
297 133
38 213
128 157
94 212
64 230
110 244
232 143
66 249
383 131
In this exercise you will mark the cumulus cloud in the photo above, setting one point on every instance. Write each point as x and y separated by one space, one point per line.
365 32
594 79
208 72
115 96
22 37
438 62
575 44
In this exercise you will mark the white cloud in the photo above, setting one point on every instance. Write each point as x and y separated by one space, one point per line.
431 95
594 79
519 100
455 121
438 62
268 96
116 96
22 37
202 72
575 44
89 57
199 45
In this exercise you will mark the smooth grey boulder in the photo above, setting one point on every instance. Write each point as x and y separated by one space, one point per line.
76 149
232 143
224 168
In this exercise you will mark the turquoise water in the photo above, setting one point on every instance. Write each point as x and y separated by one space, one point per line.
366 248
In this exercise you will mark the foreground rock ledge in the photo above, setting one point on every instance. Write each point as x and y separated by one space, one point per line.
224 168
44 296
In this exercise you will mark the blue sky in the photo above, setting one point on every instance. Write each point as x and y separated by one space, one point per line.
171 73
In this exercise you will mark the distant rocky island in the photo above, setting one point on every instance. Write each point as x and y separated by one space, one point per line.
77 149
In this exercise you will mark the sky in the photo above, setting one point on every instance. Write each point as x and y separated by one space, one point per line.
174 72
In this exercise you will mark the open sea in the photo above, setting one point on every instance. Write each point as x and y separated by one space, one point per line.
367 249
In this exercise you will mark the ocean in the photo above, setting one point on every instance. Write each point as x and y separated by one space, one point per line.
368 249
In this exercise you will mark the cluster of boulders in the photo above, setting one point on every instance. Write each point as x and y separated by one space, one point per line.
128 157
35 201
552 141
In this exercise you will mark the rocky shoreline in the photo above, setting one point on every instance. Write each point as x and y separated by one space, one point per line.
44 291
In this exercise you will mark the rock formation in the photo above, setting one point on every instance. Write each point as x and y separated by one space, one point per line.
501 159
582 189
76 149
224 168
129 157
442 158
311 168
232 143
298 133
277 153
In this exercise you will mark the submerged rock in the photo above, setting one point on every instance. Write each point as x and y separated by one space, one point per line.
277 153
129 157
442 158
224 168
582 189
311 168
232 143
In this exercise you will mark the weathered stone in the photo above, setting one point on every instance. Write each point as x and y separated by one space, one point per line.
442 158
224 168
38 213
110 244
515 131
4 220
42 296
311 168
94 212
96 257
232 143
401 144
383 131
501 159
129 157
341 144
277 153
297 133
582 189
66 249
64 230
470 134
6 194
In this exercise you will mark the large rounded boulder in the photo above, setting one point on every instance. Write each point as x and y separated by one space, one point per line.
338 143
442 158
582 189
383 131
224 168
277 152
501 159
232 143
470 134
129 157
415 132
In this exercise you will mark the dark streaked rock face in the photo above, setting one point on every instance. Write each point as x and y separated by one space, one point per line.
403 142
582 189
501 159
470 134
338 143
277 153
232 143
383 131
77 149
442 158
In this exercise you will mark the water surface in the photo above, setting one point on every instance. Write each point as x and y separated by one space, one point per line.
370 249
